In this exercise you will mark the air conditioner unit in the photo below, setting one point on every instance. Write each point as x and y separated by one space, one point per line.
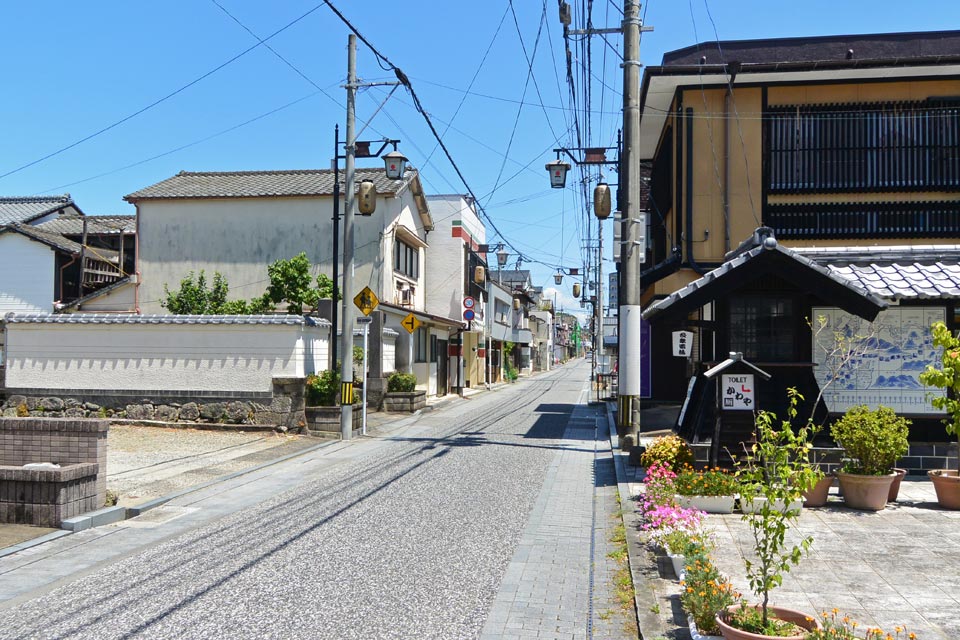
406 297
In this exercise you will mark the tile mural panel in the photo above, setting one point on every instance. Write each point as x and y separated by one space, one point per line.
884 359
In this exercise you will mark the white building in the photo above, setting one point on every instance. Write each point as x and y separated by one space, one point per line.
452 289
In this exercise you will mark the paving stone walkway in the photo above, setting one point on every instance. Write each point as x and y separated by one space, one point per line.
560 581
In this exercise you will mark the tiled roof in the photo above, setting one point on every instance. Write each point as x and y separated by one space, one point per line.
24 209
258 184
53 240
742 257
896 272
72 225
110 318
513 275
882 46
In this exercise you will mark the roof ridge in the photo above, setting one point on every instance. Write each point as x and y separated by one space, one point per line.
255 172
32 199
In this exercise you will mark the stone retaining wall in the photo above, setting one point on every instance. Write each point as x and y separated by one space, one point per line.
282 407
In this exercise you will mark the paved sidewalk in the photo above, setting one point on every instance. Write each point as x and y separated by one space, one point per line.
559 583
896 567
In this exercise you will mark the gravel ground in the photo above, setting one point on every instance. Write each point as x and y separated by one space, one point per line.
410 540
149 462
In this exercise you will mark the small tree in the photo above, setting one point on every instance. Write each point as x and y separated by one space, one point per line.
290 281
947 377
778 469
194 297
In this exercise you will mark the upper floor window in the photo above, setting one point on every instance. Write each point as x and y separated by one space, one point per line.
406 259
900 146
501 311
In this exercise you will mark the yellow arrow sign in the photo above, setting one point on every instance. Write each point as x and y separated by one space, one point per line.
410 323
366 301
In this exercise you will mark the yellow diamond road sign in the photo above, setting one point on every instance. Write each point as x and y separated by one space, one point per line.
366 301
410 323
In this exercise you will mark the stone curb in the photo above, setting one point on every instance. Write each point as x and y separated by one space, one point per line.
648 622
14 548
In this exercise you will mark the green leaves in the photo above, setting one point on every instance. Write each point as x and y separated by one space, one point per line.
195 298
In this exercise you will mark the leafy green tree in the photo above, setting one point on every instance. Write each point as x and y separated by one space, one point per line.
290 281
195 297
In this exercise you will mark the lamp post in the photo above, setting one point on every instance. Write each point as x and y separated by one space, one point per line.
394 168
502 257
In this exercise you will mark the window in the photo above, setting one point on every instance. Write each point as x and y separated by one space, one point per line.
406 259
762 327
433 349
863 147
501 311
420 345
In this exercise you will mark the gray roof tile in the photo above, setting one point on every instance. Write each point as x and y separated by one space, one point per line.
108 318
15 209
53 240
258 184
72 225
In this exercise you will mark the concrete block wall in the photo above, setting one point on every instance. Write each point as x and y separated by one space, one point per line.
58 440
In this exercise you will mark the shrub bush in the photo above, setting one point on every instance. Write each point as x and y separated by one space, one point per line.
671 451
322 388
401 382
709 482
873 439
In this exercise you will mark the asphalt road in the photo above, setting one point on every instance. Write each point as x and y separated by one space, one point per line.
411 539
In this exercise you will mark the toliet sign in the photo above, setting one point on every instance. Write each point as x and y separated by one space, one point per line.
736 392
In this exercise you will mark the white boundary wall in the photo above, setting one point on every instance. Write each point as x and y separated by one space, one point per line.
169 353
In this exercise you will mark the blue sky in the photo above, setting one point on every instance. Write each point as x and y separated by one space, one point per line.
72 69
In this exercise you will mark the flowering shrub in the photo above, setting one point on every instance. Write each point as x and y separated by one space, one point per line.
666 523
710 482
705 592
843 628
672 451
658 488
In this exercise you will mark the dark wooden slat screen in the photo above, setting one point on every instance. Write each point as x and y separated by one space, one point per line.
897 146
865 220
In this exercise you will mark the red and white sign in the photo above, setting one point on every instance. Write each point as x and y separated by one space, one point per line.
469 302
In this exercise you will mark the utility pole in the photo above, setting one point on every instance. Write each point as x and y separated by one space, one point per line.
336 245
628 410
346 369
598 308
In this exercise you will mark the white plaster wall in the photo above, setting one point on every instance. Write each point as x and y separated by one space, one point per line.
240 237
122 299
26 275
445 258
389 354
161 357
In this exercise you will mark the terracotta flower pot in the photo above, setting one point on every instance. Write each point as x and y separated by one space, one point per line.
868 493
781 613
947 485
818 494
895 485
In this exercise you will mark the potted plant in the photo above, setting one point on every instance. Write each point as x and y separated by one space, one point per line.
946 482
873 441
322 409
839 627
674 529
402 394
671 450
710 490
818 494
777 467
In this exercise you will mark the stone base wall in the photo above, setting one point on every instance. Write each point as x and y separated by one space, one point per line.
325 421
404 401
283 407
42 496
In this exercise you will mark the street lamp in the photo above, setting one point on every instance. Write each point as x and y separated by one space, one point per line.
558 173
502 257
396 164
558 277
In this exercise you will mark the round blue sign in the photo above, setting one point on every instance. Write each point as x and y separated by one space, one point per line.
468 314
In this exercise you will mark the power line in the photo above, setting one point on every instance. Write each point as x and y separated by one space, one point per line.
160 100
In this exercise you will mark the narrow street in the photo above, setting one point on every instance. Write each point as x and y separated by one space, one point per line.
479 520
